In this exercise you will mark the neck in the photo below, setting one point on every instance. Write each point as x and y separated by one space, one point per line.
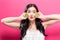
32 25
32 22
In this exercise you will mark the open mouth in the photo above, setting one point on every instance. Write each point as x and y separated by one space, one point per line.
31 17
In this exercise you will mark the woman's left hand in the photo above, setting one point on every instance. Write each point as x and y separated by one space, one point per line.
42 17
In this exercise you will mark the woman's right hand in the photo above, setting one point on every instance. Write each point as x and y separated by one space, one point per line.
23 16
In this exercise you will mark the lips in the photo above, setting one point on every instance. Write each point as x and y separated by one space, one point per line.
31 17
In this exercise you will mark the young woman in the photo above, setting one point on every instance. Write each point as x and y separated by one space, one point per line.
32 23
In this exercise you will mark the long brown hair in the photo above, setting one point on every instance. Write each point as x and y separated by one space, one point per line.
25 23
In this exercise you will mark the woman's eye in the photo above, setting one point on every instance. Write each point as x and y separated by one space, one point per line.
28 11
34 12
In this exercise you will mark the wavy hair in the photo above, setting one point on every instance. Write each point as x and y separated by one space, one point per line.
24 25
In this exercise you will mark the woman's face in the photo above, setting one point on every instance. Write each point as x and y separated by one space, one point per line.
31 13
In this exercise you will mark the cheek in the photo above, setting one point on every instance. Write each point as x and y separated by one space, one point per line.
29 15
34 16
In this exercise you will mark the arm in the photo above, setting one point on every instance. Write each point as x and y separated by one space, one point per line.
10 21
54 18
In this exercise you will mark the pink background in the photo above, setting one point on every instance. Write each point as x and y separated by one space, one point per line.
13 8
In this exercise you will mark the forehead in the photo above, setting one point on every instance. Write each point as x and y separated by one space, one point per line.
32 8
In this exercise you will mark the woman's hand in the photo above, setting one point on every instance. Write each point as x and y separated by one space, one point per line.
43 17
23 16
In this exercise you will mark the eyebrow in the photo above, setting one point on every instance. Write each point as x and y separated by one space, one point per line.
33 10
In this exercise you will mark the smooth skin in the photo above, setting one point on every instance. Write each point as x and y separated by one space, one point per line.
47 19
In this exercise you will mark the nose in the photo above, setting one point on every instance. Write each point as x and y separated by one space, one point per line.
31 14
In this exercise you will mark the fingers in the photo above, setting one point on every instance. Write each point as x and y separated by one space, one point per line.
40 13
25 15
37 15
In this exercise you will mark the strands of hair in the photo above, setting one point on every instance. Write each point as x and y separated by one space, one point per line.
25 23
